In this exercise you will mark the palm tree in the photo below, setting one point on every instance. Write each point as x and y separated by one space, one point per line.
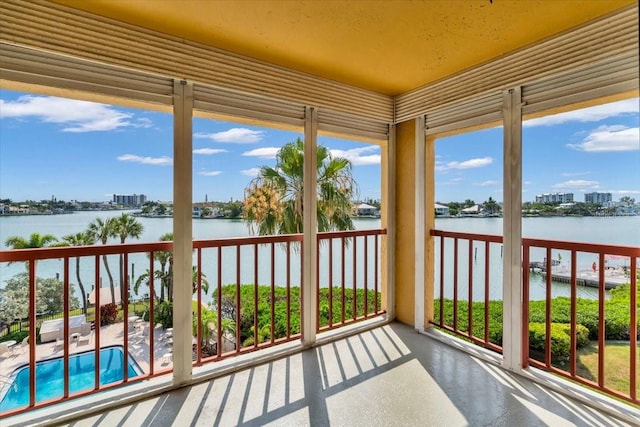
194 281
264 333
126 226
102 230
273 201
80 239
209 330
164 274
36 240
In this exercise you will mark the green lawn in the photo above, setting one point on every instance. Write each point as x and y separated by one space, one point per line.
616 362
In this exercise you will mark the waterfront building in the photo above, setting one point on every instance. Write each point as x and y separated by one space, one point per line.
129 199
597 198
441 210
554 198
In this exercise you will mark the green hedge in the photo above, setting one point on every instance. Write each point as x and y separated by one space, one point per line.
560 338
617 316
247 303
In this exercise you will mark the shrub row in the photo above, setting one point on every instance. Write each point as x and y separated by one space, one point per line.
248 302
616 323
560 338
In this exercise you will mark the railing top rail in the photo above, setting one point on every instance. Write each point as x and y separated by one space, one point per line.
469 236
241 241
630 251
352 233
34 254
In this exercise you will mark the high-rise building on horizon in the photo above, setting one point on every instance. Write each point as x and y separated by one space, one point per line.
129 199
554 198
597 198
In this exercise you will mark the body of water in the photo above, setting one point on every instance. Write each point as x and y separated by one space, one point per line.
623 231
600 230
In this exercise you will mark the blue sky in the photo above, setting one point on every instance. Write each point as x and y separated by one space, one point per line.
85 151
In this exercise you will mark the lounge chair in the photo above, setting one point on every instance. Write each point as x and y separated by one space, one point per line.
59 342
24 344
85 333
4 349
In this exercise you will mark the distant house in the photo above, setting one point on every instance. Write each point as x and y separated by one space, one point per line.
206 209
364 209
566 205
471 211
442 210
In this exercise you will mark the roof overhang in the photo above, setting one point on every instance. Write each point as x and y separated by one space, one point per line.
383 46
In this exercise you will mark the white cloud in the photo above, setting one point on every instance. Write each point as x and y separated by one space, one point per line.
209 173
74 115
467 164
253 172
143 122
577 184
610 138
263 153
591 114
234 136
357 156
209 151
157 161
486 183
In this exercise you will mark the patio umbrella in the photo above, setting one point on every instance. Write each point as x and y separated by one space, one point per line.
105 296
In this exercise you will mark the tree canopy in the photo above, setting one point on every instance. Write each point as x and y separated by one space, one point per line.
273 202
14 297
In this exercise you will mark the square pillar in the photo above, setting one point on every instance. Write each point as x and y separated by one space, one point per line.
512 230
182 230
411 223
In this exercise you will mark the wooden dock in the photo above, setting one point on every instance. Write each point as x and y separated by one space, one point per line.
586 278
542 265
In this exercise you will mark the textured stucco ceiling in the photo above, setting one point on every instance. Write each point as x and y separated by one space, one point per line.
386 46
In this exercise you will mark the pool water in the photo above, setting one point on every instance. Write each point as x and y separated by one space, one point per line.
49 376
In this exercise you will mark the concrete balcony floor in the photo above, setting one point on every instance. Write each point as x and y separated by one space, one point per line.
386 376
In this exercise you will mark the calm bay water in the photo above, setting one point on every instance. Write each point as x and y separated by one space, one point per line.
623 231
607 230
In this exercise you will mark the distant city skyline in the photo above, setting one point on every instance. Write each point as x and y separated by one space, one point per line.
84 151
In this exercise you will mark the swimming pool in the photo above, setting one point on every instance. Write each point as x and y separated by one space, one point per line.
50 372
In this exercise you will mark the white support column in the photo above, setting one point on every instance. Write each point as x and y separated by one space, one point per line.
419 222
182 231
390 203
512 230
309 245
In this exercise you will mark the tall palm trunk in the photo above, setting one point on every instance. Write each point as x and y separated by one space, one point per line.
162 282
122 279
113 291
84 294
170 280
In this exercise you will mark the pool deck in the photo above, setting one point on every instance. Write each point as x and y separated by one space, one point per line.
109 335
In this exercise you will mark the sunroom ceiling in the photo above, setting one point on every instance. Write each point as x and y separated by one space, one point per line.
389 47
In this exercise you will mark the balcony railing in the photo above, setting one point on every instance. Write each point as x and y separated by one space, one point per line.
341 299
564 284
246 292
